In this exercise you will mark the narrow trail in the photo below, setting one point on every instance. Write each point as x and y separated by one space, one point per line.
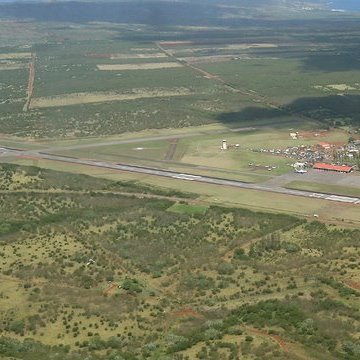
31 81
276 338
107 292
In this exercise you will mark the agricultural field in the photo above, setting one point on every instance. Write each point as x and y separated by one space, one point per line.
122 270
232 76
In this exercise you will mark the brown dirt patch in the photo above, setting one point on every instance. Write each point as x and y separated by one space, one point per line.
314 134
353 285
187 312
110 289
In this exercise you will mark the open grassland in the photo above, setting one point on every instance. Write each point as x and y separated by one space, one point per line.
90 98
119 269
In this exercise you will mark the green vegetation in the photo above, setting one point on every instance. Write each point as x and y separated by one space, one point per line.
290 74
139 274
188 209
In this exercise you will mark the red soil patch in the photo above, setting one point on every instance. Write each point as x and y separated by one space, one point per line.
28 157
187 312
273 337
313 134
110 289
337 143
353 285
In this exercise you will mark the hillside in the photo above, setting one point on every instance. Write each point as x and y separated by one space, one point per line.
119 271
200 12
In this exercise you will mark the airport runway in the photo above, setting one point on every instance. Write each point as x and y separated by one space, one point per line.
180 176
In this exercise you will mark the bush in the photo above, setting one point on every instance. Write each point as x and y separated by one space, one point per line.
17 326
132 285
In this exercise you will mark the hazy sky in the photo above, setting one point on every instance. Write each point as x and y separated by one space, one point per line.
349 5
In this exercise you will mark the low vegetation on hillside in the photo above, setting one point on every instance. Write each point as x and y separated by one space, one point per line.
93 269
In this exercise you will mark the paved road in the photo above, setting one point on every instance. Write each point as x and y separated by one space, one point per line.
182 176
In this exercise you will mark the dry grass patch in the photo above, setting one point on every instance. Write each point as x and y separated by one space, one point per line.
138 56
5 66
20 55
208 59
97 97
144 66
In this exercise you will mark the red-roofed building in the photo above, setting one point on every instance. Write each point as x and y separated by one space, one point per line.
330 167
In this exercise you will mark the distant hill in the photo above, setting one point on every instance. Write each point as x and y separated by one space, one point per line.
159 12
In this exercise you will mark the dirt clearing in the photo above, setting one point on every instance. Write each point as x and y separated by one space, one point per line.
144 66
97 97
